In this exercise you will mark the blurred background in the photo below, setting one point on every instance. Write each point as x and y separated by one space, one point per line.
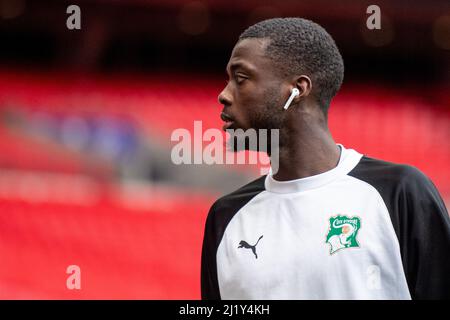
86 118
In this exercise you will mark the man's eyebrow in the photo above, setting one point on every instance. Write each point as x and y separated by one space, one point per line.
237 65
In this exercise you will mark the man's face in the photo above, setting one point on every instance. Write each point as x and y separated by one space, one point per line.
252 96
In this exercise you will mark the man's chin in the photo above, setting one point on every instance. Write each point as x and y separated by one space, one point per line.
251 140
242 143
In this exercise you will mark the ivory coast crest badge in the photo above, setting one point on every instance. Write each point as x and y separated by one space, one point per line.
342 232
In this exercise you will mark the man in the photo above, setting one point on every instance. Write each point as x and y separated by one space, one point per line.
330 223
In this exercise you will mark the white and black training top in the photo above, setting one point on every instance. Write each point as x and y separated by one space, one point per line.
367 229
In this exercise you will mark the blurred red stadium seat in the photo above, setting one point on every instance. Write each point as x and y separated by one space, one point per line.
122 253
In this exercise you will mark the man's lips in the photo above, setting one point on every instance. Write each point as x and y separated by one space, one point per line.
227 119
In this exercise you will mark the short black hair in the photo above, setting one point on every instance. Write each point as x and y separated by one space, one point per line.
300 46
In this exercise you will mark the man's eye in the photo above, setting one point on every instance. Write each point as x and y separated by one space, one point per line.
240 78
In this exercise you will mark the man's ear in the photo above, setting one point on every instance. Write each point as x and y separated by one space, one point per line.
304 85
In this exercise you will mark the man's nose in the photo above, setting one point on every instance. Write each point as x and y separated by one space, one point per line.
225 97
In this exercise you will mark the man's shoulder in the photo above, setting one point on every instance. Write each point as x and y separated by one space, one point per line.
406 191
385 173
235 200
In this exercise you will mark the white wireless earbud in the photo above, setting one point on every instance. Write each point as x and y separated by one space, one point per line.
294 92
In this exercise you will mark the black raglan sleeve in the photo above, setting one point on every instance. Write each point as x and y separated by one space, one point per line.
421 223
209 281
220 214
424 236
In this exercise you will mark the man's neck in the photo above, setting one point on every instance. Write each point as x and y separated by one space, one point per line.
308 150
